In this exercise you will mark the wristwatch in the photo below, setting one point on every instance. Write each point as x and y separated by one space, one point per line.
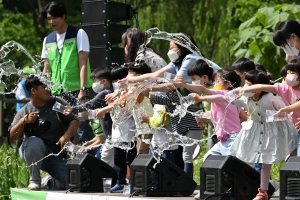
83 88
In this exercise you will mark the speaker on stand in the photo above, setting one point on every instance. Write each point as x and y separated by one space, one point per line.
218 174
85 173
101 21
290 179
163 179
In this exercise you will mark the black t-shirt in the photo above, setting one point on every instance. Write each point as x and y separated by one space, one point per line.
50 125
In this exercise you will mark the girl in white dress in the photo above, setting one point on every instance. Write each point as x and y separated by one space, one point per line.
258 141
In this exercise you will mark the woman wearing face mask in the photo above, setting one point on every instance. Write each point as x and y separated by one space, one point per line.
287 36
181 59
289 91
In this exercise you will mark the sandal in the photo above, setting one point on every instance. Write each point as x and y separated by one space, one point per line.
262 195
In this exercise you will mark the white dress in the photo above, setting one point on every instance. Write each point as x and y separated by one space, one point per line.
266 143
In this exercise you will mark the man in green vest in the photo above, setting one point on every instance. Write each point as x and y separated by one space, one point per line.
65 52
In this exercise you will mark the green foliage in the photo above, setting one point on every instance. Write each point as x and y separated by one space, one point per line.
19 27
13 172
256 36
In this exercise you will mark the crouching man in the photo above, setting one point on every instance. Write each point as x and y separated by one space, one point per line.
44 131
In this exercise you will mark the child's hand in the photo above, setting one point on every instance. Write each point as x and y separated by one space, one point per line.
68 110
180 80
111 97
196 97
95 141
202 122
145 119
284 109
100 113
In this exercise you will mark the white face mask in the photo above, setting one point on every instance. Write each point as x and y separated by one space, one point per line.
196 82
291 51
248 94
97 87
291 80
173 55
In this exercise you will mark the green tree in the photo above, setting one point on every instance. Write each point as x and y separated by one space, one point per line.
256 36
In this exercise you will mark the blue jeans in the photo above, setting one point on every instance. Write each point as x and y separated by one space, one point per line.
34 149
98 153
85 132
122 158
222 148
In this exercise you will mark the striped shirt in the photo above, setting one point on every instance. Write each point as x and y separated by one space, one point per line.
188 122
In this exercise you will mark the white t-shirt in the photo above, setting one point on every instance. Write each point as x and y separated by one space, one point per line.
82 42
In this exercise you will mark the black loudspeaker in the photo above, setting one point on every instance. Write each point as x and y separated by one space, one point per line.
85 173
290 179
166 178
100 20
100 56
219 173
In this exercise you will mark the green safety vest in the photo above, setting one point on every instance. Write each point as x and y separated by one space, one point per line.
65 65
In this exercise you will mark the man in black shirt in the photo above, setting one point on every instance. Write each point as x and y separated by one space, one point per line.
44 131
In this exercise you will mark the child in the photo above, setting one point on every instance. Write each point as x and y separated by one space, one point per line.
145 104
288 91
201 74
102 86
226 119
241 66
258 141
125 133
187 126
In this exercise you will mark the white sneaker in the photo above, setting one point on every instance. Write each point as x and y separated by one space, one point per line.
275 184
197 196
45 180
34 186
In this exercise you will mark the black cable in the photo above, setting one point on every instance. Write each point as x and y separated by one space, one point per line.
151 185
77 185
219 194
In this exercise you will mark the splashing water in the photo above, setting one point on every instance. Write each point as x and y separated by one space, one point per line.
178 38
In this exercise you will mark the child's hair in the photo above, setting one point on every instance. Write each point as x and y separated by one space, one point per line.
283 72
200 68
229 75
139 67
118 72
293 65
243 65
257 77
262 68
284 32
102 73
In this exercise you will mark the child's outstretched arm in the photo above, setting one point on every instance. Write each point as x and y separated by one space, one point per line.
196 88
212 98
290 108
260 88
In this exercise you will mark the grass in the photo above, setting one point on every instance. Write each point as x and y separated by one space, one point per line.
199 160
13 171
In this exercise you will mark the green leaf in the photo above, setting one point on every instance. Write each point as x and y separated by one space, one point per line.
249 33
241 53
247 23
276 18
254 48
237 45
